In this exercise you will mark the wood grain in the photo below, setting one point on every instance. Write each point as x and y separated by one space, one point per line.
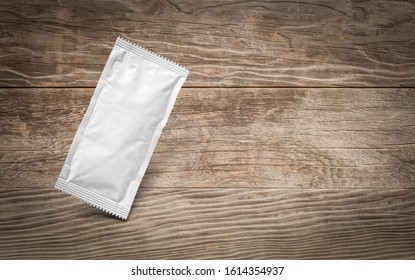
204 223
293 139
224 43
279 138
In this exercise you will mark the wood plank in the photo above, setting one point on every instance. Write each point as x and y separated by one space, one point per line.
224 43
229 223
262 138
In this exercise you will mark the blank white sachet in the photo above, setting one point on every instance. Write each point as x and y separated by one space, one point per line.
119 132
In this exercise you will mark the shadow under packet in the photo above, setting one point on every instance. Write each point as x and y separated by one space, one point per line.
121 127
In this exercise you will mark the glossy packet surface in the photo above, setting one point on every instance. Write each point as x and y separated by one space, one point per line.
119 132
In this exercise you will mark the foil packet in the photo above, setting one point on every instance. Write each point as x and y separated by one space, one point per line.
121 127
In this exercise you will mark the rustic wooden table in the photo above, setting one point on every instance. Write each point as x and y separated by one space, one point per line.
293 137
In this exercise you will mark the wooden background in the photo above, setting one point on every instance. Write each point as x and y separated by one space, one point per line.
293 137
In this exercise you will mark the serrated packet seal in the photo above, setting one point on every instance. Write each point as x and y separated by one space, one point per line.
113 145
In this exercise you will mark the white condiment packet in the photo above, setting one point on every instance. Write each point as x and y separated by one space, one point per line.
119 132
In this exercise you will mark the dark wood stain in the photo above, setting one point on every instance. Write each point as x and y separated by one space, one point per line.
293 139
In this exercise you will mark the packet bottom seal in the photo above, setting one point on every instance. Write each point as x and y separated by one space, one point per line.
93 199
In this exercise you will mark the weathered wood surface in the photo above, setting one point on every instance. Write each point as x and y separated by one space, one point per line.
223 223
237 173
224 43
257 170
278 138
